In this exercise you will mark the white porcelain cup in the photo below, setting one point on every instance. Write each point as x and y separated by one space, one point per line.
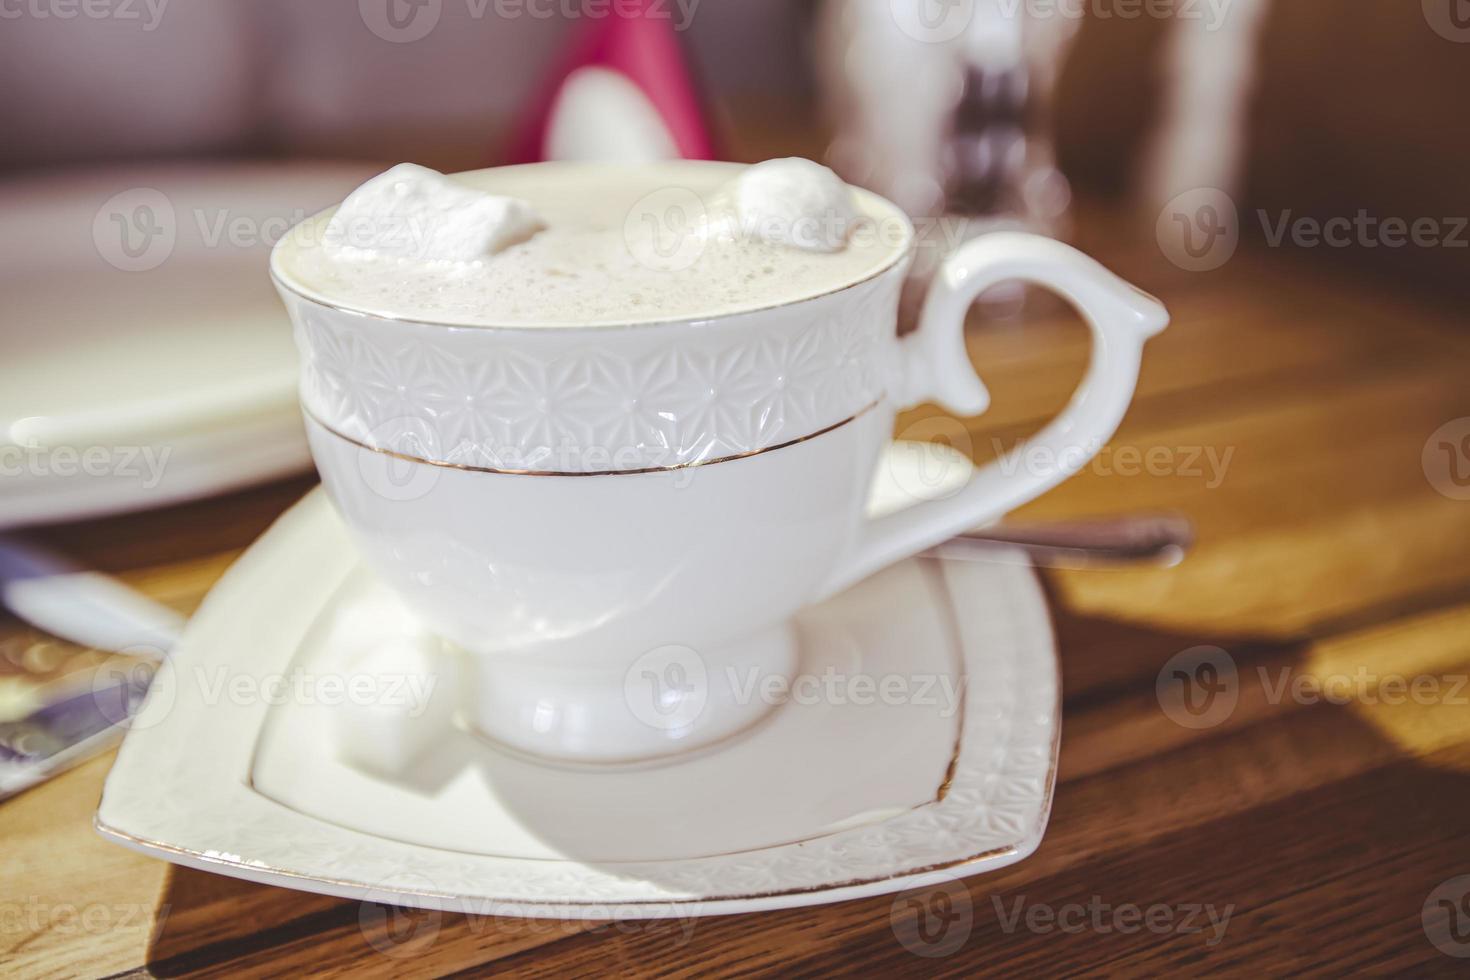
617 523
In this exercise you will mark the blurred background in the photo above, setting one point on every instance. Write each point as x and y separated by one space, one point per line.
1346 106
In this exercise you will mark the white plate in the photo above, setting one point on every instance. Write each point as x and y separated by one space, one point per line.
828 798
167 354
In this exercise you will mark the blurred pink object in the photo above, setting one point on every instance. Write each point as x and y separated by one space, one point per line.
644 50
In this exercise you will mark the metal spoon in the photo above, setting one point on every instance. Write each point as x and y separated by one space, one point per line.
1158 539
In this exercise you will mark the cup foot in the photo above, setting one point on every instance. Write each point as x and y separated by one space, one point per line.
649 706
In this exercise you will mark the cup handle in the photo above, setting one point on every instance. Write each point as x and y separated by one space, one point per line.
934 365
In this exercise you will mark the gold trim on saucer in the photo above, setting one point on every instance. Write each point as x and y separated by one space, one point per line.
214 858
647 469
945 600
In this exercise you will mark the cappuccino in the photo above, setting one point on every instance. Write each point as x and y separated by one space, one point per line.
578 244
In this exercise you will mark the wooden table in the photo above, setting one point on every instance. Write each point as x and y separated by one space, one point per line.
1287 410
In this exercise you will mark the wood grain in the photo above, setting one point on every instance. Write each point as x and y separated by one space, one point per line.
1324 553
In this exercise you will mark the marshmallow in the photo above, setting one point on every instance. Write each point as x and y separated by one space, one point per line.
417 213
794 202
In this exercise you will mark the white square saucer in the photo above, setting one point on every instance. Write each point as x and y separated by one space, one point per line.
940 765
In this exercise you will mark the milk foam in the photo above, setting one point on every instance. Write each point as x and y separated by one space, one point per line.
600 257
